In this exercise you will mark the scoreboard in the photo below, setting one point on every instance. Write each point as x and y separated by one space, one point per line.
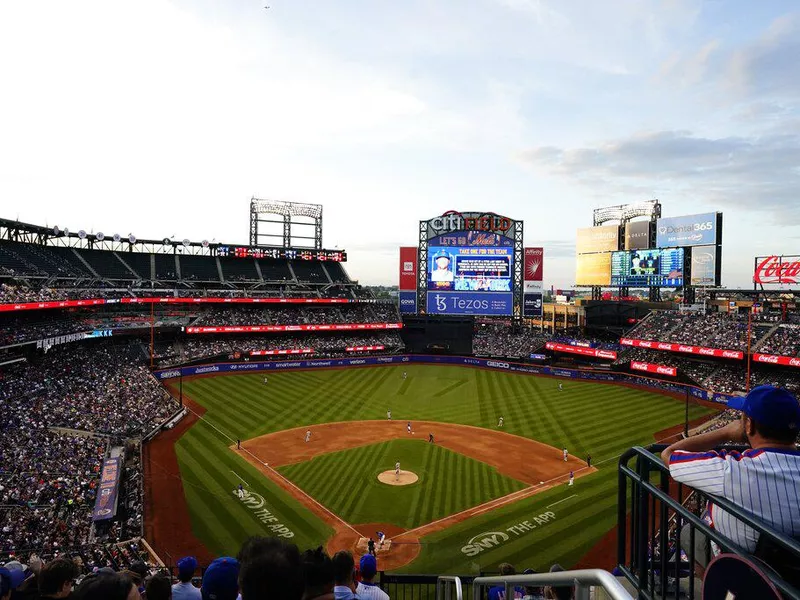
281 253
648 268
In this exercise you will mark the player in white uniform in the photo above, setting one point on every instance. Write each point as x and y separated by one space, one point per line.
308 436
571 478
408 427
405 374
500 422
265 380
240 491
566 454
388 415
560 387
397 471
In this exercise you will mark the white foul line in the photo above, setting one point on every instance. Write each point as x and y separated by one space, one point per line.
240 477
562 500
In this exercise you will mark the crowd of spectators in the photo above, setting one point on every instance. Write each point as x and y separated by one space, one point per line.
298 315
503 340
785 341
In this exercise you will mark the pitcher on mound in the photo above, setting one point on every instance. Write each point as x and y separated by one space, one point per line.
397 471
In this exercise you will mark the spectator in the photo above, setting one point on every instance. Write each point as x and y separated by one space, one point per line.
221 579
498 592
158 588
531 592
770 422
57 578
107 586
344 575
318 575
558 592
184 590
9 581
271 568
367 589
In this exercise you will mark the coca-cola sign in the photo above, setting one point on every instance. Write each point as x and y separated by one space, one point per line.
773 359
777 270
686 349
652 368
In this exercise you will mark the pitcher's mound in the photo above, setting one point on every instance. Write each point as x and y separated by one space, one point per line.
405 478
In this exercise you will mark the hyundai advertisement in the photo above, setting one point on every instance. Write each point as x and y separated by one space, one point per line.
691 230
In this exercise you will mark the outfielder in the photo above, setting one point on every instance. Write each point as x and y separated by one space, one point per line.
500 422
397 471
566 454
308 437
389 415
265 380
560 387
405 374
240 491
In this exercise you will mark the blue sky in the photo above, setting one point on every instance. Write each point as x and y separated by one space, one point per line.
163 118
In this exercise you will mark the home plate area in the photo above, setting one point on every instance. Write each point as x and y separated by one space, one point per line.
362 546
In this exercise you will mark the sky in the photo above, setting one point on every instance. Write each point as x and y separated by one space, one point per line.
164 118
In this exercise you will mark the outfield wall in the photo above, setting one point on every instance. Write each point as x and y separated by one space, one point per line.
484 363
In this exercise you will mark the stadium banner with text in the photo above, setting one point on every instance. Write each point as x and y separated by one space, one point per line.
534 270
500 365
470 303
691 230
684 348
637 235
8 307
282 352
597 239
408 302
655 369
773 359
593 269
704 266
281 328
777 270
363 348
105 506
582 350
408 268
532 305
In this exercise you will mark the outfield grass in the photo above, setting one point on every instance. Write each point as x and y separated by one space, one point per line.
347 483
586 417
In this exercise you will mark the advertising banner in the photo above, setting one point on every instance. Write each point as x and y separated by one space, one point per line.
597 239
534 270
655 369
686 349
593 269
772 359
470 303
704 266
281 352
363 348
105 506
408 302
532 305
281 328
691 230
408 268
637 235
582 350
782 270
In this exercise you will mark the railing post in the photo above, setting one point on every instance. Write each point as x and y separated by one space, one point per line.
641 524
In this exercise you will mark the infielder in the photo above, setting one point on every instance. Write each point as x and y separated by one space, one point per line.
571 478
397 471
500 422
566 454
389 415
408 427
430 438
308 438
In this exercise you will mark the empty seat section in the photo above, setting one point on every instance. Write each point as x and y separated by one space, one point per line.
199 268
165 267
12 263
106 264
139 262
307 270
238 269
337 272
274 270
67 257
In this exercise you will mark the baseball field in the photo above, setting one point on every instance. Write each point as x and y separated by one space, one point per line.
482 494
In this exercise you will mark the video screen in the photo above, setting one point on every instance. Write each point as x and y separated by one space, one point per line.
648 268
470 269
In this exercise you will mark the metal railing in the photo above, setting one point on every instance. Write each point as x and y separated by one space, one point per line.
444 589
662 542
581 581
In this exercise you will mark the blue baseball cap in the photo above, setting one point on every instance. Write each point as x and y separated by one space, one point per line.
770 406
368 565
187 566
10 579
221 579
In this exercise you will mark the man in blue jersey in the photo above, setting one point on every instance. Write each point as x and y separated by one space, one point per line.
764 480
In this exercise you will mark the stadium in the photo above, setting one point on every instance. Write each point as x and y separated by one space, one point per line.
167 399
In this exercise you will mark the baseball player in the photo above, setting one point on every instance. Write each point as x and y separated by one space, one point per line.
571 478
588 460
308 438
500 422
238 444
408 427
430 438
381 537
388 415
265 381
240 491
397 471
405 374
560 387
566 454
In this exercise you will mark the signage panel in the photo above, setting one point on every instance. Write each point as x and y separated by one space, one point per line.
470 303
704 266
655 369
597 239
408 268
582 350
408 302
691 230
781 270
593 269
684 348
532 305
637 235
534 269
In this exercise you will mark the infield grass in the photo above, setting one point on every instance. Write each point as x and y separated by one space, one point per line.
586 417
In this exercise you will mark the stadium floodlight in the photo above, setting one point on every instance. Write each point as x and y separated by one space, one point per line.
291 209
287 213
625 212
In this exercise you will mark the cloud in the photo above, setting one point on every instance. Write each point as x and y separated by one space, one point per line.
753 173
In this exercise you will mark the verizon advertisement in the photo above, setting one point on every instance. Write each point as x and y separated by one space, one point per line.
654 369
408 268
593 352
534 263
777 270
282 328
281 352
672 347
773 359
